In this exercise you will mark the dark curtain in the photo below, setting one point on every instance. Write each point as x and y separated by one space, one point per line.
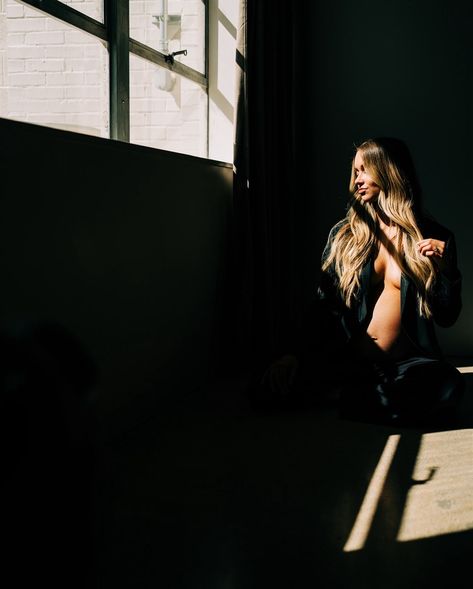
268 193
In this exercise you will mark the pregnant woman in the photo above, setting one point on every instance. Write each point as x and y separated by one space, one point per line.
389 272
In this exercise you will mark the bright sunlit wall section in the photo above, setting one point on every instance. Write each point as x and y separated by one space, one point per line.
53 73
134 70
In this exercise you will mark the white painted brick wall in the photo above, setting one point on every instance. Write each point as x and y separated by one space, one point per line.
26 24
14 10
54 74
51 73
45 38
26 79
93 8
44 65
159 118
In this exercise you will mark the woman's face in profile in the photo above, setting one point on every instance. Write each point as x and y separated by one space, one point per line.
366 187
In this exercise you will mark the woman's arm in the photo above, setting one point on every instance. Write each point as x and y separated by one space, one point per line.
319 328
446 295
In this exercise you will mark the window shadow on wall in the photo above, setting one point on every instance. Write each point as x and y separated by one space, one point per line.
222 34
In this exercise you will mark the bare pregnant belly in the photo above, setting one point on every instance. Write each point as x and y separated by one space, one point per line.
383 335
385 325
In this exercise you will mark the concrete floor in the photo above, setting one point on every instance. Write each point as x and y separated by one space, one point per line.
214 496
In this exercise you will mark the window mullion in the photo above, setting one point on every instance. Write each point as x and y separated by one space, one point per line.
117 23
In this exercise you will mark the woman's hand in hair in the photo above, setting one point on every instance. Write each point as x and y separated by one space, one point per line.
281 375
433 248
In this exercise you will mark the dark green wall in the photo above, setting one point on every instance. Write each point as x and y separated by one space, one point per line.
126 247
401 68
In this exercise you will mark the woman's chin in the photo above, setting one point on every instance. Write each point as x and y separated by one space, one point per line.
368 197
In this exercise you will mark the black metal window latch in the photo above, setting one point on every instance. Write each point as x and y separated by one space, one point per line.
170 56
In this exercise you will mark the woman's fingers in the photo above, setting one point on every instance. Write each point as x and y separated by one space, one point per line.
281 383
279 377
431 247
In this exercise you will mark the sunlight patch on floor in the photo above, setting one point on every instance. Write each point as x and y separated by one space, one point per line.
363 522
444 503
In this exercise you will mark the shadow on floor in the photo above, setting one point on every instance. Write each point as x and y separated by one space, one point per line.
213 496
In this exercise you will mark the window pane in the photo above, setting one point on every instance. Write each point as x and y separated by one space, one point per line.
53 74
185 28
166 111
92 8
223 26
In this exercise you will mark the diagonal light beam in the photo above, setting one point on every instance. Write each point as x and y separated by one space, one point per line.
363 522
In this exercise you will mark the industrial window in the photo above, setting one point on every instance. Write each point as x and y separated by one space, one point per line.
132 70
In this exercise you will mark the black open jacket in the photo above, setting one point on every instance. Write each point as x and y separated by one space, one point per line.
339 324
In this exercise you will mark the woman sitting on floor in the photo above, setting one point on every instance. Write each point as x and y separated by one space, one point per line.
389 273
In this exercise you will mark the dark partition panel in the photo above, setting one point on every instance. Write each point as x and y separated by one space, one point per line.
125 246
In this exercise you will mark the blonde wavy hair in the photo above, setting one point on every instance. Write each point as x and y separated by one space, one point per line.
357 236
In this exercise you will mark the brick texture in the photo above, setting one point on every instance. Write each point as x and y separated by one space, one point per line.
54 74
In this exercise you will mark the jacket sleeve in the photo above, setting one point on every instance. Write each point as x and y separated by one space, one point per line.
331 308
446 295
328 291
321 328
